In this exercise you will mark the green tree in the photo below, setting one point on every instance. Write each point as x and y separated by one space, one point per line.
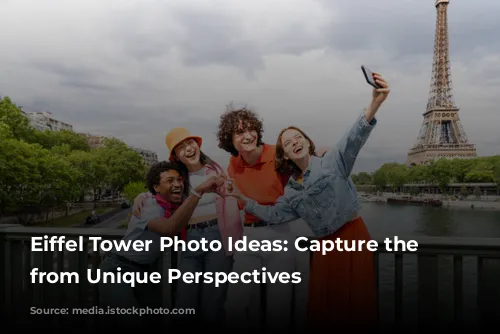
19 175
5 132
19 125
123 164
50 139
133 189
481 172
440 173
63 150
364 178
380 178
44 171
99 170
390 173
418 174
57 186
397 175
84 169
460 167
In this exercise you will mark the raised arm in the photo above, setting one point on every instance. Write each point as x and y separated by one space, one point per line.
344 155
153 217
139 202
175 223
279 213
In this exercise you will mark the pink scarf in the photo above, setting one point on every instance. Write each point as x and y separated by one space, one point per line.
169 211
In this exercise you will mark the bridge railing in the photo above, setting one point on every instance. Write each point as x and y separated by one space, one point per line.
456 275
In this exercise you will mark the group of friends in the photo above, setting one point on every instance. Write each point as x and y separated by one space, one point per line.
274 185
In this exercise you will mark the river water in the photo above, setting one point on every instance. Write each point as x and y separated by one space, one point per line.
385 220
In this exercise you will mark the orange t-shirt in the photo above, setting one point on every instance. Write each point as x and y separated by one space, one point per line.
260 181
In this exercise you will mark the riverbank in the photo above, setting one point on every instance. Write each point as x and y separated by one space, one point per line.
488 203
467 204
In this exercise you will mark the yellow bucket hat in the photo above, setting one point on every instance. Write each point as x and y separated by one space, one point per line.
177 136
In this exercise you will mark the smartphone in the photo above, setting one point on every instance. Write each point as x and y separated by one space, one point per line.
369 77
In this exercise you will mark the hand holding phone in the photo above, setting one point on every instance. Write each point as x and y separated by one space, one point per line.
369 77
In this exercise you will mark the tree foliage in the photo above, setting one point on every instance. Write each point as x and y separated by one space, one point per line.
441 173
133 189
49 169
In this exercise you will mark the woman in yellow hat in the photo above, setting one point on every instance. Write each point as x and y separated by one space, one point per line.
215 218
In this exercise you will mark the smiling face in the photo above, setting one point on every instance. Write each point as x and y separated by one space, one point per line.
171 186
188 152
295 145
245 138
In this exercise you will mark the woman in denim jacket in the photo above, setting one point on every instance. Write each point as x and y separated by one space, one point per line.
342 290
215 218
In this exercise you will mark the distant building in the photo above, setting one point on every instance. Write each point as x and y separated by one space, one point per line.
44 121
93 140
150 157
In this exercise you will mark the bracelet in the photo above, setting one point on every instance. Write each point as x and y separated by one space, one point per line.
195 193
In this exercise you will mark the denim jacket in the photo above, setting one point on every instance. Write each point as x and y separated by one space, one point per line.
327 197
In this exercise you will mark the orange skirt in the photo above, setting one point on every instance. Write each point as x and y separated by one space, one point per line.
342 285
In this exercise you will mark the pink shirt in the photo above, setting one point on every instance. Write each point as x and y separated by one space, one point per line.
228 217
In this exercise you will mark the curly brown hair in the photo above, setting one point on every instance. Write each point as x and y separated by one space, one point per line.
229 123
153 177
286 166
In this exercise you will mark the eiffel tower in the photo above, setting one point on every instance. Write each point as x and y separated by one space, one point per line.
441 134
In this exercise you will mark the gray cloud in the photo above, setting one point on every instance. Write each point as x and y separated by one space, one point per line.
407 28
204 36
86 85
73 76
66 71
136 70
214 38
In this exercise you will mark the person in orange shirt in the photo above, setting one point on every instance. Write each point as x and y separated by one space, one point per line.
343 287
252 168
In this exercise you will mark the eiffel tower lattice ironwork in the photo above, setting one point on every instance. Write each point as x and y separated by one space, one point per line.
441 134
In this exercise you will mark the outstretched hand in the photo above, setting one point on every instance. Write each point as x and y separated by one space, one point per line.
379 94
233 191
211 185
139 203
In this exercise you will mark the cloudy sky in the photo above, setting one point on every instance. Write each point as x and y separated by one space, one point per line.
134 69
